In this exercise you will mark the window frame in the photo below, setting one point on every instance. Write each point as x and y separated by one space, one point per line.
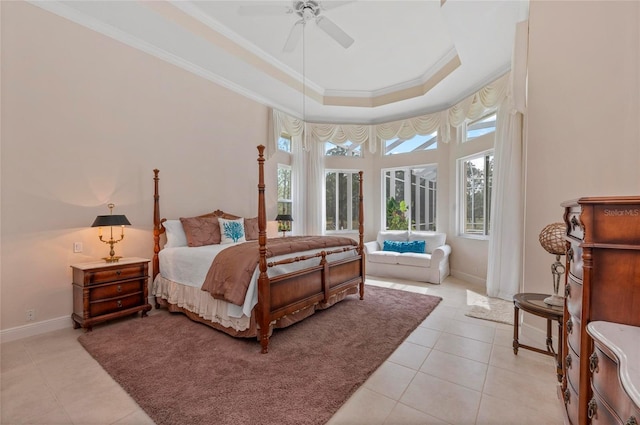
352 195
286 137
408 188
356 148
280 200
399 141
462 195
468 123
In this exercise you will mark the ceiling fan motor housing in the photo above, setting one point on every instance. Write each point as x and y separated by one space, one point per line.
307 9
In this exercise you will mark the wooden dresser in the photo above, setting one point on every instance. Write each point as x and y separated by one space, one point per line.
104 291
615 374
602 283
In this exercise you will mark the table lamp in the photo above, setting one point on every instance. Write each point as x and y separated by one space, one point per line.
284 223
552 240
110 221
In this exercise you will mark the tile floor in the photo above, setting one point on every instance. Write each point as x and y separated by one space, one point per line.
451 370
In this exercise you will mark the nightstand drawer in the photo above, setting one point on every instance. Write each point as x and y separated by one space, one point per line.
98 308
129 271
114 290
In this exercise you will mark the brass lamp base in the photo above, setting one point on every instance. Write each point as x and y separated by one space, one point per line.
111 259
554 300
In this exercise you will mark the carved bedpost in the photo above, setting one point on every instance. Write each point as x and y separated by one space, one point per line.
156 224
361 231
264 291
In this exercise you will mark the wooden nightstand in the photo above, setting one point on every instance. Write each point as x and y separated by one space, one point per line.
104 291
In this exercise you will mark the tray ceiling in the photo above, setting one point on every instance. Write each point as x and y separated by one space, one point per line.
408 57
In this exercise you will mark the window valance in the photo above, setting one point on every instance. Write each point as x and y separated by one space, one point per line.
473 107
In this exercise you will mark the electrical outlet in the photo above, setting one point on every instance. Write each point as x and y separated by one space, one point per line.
77 247
31 315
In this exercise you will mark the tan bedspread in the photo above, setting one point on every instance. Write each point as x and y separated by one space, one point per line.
231 271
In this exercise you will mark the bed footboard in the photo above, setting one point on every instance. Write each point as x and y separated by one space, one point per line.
318 286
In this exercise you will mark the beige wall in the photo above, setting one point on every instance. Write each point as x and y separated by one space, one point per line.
583 136
85 120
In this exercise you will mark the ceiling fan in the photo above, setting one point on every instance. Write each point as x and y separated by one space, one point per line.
307 10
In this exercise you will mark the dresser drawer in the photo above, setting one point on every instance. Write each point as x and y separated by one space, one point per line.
574 325
117 289
571 404
604 380
573 222
576 262
574 297
110 274
113 305
600 413
572 369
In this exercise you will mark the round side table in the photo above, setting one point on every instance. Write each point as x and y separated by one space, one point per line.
534 304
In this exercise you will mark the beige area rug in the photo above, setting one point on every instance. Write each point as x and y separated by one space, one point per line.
182 372
492 309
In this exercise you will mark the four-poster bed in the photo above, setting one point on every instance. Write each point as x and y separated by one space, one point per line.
292 277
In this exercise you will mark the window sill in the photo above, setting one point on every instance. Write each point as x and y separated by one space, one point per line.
475 237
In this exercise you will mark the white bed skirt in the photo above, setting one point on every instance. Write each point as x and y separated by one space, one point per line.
199 302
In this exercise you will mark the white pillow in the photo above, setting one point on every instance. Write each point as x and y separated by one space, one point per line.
231 231
175 234
432 239
392 235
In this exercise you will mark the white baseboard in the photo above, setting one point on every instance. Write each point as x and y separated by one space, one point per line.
468 278
44 326
36 328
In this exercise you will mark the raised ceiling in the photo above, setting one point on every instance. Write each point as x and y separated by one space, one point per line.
408 57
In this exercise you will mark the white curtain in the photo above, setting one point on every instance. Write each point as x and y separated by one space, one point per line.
504 273
307 173
314 189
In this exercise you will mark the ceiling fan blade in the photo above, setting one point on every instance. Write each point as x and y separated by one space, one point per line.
334 31
264 10
294 36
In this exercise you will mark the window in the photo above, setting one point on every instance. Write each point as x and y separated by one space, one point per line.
477 179
410 198
480 127
284 189
342 197
284 143
345 149
416 143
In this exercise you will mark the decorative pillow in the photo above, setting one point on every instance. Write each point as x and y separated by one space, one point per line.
175 234
201 231
232 230
251 228
402 246
392 235
432 239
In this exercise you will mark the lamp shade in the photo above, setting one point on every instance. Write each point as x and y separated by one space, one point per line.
284 217
110 220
